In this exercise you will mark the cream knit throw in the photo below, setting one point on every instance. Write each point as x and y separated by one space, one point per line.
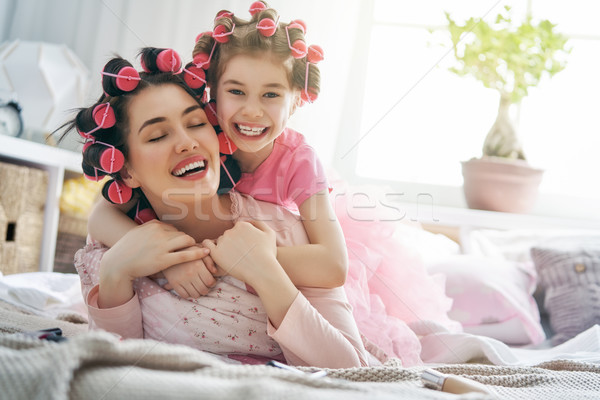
96 365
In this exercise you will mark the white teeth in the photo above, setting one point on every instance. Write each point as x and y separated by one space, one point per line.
249 131
181 171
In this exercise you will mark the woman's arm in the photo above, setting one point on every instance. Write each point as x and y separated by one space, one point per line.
323 262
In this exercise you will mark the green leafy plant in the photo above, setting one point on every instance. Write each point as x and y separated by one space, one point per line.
510 58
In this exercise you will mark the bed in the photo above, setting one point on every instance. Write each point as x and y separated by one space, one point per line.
513 364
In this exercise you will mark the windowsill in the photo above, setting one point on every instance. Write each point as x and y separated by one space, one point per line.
445 206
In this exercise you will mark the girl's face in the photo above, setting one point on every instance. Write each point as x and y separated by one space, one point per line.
254 102
173 150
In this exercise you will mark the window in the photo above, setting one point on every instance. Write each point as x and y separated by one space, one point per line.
419 120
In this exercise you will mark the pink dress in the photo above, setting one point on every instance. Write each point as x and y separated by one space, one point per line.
387 284
317 330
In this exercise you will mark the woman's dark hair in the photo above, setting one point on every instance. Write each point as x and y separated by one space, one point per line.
104 125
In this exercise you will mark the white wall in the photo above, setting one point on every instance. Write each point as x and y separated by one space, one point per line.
97 29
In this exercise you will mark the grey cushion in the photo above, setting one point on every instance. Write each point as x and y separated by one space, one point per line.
569 274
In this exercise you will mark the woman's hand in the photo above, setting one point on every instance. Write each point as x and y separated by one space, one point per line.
145 250
245 251
191 279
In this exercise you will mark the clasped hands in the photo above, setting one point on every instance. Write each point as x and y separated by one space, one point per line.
190 268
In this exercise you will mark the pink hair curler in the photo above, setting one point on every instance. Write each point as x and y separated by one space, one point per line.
111 159
104 117
298 24
315 54
127 78
211 112
226 146
118 192
224 14
257 7
220 33
267 27
168 60
144 215
209 33
195 77
298 48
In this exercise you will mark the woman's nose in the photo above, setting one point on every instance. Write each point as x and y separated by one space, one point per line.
185 142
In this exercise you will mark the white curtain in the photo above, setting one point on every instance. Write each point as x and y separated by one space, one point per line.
97 29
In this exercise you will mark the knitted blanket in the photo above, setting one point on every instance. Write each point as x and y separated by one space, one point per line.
96 365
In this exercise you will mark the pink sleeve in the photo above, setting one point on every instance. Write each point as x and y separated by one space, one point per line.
320 332
305 176
124 320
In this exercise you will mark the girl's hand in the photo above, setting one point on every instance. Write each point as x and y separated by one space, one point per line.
191 279
245 251
148 249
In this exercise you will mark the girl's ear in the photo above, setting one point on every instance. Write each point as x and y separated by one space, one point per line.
128 178
296 102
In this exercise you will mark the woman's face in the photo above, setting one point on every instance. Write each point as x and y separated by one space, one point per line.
173 149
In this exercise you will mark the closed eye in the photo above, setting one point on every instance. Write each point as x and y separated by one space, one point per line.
198 125
156 139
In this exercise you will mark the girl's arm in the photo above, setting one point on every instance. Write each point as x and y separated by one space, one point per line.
108 222
320 332
323 262
143 251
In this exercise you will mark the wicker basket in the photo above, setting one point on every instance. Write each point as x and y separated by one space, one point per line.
72 232
22 199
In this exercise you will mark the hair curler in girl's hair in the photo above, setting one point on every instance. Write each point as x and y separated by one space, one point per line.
267 27
298 48
118 77
257 7
298 24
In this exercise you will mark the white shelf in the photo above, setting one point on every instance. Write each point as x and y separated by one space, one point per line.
56 162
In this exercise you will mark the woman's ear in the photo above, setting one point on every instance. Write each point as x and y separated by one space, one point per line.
127 177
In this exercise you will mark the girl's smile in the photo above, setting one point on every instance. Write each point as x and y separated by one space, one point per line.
254 102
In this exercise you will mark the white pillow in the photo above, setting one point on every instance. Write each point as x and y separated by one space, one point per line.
492 297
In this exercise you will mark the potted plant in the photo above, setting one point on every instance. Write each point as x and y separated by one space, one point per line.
509 58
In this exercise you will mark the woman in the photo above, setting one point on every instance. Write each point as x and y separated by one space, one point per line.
171 154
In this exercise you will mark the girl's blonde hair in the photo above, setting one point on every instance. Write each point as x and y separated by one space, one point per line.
243 37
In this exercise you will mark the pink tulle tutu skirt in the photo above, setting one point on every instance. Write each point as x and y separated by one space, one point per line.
387 284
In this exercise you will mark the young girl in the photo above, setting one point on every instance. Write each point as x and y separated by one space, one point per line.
152 136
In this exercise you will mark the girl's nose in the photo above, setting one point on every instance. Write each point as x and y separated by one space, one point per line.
185 142
252 108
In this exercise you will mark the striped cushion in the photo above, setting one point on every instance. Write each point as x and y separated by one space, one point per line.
569 273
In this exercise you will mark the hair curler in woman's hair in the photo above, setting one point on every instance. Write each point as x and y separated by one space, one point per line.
118 77
155 59
117 192
91 173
